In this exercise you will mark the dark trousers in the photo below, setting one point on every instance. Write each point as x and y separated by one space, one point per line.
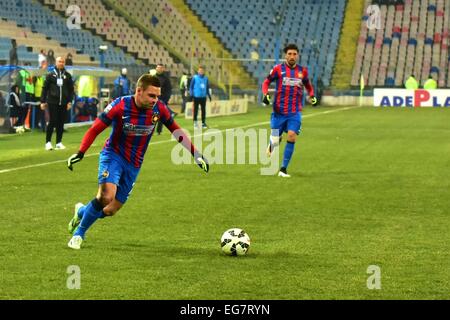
58 116
23 111
184 99
202 103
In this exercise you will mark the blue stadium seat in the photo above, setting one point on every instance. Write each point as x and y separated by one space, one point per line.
320 20
41 19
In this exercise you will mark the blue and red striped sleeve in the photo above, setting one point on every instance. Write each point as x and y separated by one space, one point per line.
100 124
307 83
111 111
273 75
166 117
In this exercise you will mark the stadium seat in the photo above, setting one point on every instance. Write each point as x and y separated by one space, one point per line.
414 40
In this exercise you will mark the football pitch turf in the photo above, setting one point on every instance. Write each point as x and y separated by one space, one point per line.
369 187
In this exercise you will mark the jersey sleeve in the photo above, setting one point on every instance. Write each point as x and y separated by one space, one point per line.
111 111
307 82
166 117
97 127
273 74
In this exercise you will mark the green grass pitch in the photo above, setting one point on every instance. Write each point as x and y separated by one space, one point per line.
369 186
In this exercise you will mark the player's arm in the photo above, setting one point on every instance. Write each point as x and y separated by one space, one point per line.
100 124
266 83
97 127
309 87
182 138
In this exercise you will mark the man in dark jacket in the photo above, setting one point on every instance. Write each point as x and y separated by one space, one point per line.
57 93
166 91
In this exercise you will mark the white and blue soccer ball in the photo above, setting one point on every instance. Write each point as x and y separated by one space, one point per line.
235 242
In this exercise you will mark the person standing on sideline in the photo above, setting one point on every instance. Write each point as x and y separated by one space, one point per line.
57 94
40 119
121 85
411 83
184 91
287 102
166 91
430 84
25 82
199 90
133 119
14 105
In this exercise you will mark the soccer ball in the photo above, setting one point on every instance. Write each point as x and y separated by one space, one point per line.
235 242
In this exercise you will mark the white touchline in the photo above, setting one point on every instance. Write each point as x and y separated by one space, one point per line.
166 141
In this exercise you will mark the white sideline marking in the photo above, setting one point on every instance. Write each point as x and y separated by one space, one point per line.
166 141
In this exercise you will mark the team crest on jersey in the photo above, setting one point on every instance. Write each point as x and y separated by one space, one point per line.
155 117
105 174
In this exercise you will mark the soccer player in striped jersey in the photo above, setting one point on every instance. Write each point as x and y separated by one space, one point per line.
133 119
290 79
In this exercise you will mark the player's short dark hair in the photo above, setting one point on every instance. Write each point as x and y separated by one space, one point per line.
147 80
290 46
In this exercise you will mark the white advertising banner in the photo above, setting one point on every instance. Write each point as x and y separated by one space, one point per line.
217 108
411 98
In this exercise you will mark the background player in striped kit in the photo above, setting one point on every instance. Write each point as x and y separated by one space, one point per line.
133 119
290 79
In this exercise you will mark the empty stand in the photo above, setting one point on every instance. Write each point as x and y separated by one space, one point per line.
38 18
237 23
415 41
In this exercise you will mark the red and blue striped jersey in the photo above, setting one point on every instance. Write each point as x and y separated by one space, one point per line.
289 84
132 127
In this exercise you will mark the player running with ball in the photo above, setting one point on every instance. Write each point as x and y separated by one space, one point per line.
133 119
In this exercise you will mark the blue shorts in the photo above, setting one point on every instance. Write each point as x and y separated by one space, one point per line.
284 123
114 169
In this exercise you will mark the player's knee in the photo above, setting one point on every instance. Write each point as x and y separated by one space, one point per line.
105 198
291 137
